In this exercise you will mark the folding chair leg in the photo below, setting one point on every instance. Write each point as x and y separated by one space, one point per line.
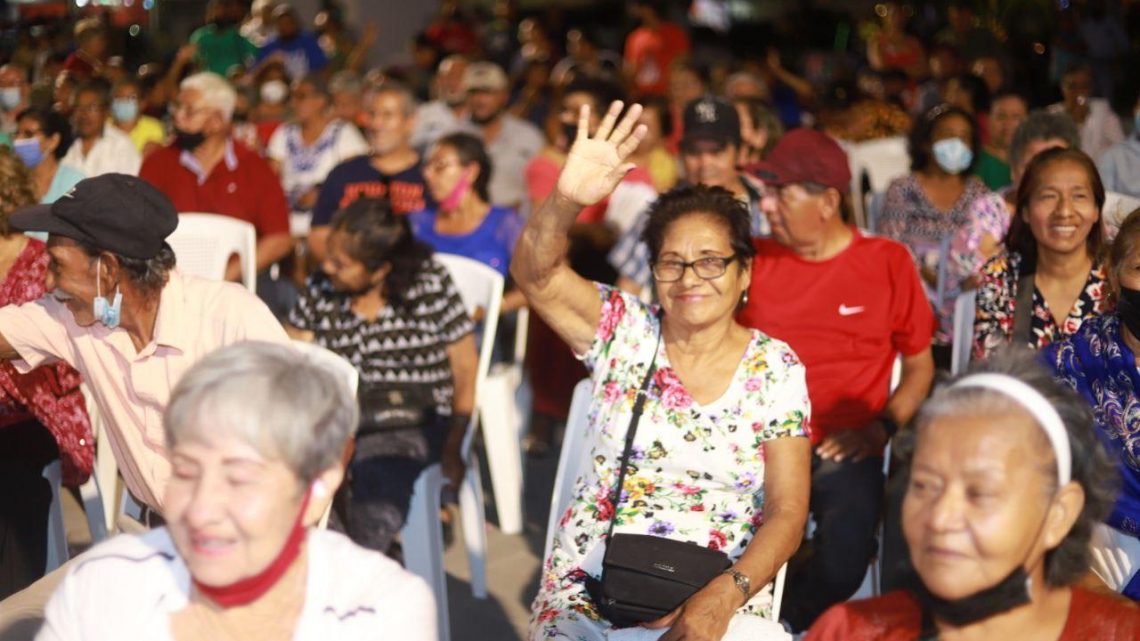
422 539
474 520
504 451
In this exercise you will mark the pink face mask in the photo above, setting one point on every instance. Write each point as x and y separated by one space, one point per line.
457 194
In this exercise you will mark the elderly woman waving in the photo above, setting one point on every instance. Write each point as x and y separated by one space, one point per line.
698 420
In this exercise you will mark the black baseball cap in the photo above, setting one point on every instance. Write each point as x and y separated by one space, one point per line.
114 212
711 118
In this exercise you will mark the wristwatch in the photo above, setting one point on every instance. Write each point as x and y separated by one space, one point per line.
743 583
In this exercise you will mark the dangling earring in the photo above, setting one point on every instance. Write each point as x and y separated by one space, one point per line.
744 298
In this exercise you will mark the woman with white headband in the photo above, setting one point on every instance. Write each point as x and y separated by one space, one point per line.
1006 482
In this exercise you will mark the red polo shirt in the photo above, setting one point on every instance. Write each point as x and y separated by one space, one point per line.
242 186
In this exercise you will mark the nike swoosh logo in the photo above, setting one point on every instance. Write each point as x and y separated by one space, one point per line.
849 311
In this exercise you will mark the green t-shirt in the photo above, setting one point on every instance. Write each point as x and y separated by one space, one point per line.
993 171
220 51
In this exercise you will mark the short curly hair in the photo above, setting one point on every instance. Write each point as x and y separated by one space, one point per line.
715 202
1092 467
16 187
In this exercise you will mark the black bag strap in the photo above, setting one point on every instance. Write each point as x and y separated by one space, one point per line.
1023 310
634 418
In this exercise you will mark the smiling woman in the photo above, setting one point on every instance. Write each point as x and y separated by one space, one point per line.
721 459
254 431
1051 277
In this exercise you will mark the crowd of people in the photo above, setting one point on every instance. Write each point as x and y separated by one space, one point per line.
769 339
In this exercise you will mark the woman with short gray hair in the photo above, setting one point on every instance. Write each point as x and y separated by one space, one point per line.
256 434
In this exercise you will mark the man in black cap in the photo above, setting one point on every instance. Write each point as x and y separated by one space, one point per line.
121 314
709 150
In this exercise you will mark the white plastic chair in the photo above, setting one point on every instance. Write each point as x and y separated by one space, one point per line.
98 492
504 410
341 367
1116 208
57 553
882 160
480 287
574 458
964 311
422 540
203 244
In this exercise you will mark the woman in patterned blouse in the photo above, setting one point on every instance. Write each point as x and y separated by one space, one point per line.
383 304
926 208
1054 246
719 457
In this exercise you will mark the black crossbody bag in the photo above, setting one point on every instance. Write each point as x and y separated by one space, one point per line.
646 577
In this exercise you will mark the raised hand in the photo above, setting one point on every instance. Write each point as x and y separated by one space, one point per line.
595 165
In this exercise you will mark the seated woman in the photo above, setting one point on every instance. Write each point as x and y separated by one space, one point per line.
42 413
931 204
42 139
307 148
989 216
1050 278
1006 483
256 433
1100 362
382 303
457 172
719 455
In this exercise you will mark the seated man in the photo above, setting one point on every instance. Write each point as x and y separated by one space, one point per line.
99 147
709 150
848 304
205 170
121 314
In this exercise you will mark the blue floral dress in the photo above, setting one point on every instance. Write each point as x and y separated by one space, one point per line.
697 471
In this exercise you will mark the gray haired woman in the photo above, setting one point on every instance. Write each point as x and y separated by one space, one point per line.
1006 483
256 434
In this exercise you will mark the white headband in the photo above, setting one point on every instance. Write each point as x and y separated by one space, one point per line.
1038 407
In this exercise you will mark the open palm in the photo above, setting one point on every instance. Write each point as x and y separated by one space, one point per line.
595 165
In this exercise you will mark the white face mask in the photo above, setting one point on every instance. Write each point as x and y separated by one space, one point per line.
274 92
953 155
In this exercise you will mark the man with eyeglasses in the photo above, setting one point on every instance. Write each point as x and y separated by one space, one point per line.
709 149
205 170
848 304
99 147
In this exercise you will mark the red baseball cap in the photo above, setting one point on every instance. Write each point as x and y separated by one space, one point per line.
805 156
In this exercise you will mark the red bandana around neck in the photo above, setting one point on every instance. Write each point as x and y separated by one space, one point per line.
248 590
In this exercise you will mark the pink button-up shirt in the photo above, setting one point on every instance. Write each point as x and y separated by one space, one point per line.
131 387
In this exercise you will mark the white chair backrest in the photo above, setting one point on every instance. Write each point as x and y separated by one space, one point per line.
964 310
882 160
1116 208
480 287
575 454
333 361
203 244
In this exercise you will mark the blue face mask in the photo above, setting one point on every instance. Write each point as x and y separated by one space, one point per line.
107 313
952 155
124 109
28 150
9 98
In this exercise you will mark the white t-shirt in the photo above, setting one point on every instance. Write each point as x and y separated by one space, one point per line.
126 589
304 166
113 152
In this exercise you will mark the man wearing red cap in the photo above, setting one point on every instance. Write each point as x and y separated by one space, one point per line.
848 304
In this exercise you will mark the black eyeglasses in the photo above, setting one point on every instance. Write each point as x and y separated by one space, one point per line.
707 268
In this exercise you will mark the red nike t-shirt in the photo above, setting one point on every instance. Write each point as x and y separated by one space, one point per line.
846 318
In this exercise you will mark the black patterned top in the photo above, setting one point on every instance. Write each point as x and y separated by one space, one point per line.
406 344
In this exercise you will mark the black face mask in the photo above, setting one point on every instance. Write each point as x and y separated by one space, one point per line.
1128 308
1011 592
571 132
188 141
224 23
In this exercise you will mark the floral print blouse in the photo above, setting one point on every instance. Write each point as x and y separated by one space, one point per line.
910 218
696 470
997 297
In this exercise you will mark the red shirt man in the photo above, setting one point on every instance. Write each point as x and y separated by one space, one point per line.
848 304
